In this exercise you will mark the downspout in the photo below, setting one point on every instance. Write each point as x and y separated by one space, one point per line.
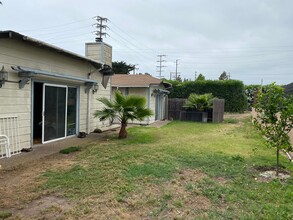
88 113
88 109
149 104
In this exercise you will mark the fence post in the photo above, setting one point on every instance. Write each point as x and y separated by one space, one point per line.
218 110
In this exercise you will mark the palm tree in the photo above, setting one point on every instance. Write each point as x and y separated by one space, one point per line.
123 108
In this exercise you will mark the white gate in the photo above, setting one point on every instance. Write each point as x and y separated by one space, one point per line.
9 136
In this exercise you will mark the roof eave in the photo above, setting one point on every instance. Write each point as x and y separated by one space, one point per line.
14 35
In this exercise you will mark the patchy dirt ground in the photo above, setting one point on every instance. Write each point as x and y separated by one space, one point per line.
19 188
22 197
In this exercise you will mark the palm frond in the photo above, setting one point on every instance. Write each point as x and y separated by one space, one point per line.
106 102
123 108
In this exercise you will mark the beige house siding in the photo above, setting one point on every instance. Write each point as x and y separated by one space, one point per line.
15 101
146 92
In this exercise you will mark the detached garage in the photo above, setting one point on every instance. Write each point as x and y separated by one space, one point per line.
153 89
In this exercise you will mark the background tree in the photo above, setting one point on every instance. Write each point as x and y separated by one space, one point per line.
275 118
123 108
122 67
224 76
200 77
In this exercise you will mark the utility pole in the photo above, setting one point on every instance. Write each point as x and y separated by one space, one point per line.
176 71
100 28
161 61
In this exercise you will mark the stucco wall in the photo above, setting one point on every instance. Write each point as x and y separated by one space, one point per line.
146 92
15 101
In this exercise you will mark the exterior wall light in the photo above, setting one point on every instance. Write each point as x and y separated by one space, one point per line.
95 88
3 76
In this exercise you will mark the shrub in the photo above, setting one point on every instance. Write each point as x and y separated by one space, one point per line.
69 150
199 102
230 90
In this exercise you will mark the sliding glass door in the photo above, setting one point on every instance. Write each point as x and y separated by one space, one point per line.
59 112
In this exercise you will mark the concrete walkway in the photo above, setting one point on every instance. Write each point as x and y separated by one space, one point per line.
43 150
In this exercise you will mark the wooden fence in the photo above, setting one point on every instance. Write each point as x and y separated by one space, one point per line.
175 106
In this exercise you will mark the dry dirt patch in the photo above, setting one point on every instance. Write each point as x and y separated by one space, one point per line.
177 198
47 207
19 186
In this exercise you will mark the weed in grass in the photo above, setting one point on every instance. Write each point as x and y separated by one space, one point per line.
69 150
238 158
5 214
178 204
167 196
160 170
231 120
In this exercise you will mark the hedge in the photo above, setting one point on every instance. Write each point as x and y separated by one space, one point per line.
231 90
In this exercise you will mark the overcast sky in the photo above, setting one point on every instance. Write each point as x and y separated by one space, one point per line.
252 39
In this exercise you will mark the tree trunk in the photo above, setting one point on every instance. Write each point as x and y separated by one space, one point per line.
277 170
123 132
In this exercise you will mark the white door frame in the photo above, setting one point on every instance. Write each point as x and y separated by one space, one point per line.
43 112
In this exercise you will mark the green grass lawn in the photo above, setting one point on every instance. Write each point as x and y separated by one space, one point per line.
180 171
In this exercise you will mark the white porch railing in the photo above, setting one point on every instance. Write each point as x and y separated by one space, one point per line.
9 133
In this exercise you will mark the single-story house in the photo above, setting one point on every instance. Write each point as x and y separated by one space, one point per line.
48 93
153 89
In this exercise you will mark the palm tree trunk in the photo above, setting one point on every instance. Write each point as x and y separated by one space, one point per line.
278 162
123 132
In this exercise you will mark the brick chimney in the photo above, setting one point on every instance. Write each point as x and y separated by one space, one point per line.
100 52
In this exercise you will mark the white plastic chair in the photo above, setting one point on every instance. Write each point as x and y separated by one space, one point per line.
4 140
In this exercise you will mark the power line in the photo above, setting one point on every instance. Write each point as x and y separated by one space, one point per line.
56 26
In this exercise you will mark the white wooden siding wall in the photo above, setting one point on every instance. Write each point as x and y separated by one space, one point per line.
14 101
18 101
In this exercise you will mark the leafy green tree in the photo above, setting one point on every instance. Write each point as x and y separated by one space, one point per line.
123 108
201 77
275 118
224 76
122 67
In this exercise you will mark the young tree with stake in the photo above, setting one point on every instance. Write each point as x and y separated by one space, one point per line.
275 118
